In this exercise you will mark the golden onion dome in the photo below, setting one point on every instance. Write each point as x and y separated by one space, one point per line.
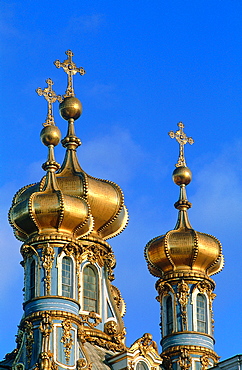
105 198
43 208
183 250
68 201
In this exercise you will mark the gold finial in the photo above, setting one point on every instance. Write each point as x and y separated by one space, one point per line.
70 68
182 139
51 97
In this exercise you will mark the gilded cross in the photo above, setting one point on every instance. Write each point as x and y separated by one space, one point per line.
51 97
182 139
71 69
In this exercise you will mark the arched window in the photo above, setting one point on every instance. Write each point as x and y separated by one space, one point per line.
169 315
32 280
141 365
67 268
201 313
90 289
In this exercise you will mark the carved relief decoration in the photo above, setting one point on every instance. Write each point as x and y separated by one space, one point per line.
46 362
82 364
29 339
167 364
182 296
206 287
67 339
163 289
184 360
91 319
46 328
204 362
118 299
145 344
47 258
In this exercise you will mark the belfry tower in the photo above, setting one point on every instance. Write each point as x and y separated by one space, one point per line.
184 259
72 312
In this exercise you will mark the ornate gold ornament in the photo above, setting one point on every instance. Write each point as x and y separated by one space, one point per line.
182 139
46 328
111 327
91 319
46 362
71 69
47 258
118 299
182 295
67 339
51 97
167 364
145 344
184 360
163 288
29 339
82 364
204 362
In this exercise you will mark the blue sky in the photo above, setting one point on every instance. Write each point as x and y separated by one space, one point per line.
149 65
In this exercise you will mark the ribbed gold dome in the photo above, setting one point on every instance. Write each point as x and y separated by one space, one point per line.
69 202
183 250
43 208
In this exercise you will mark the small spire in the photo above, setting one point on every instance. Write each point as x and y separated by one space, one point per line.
51 97
71 69
182 139
182 176
50 136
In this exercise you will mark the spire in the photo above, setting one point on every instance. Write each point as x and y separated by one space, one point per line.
182 176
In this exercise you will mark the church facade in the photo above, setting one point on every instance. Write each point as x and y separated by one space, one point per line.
73 313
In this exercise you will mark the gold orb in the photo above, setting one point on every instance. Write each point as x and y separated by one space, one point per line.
50 135
182 175
71 107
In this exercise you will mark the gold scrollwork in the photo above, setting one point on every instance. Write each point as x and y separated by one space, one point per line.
91 319
167 364
82 364
46 362
47 258
145 344
185 359
29 337
182 296
67 339
46 328
204 362
163 288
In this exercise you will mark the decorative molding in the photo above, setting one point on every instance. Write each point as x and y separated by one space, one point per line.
92 319
199 350
29 340
45 327
204 362
166 363
46 362
163 288
47 258
182 296
145 345
67 338
185 359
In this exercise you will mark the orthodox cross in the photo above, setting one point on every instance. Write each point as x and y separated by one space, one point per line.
51 97
71 69
182 139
